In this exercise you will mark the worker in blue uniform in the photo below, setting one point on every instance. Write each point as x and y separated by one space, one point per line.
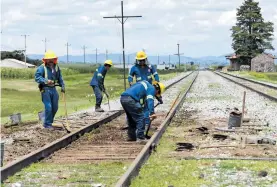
48 75
142 70
97 84
133 101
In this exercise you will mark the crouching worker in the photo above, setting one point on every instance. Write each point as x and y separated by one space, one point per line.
97 83
132 101
48 76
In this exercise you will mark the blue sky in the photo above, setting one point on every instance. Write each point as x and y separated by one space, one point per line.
202 27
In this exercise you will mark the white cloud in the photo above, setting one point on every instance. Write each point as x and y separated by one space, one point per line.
227 18
201 26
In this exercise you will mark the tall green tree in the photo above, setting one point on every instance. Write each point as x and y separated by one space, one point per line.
251 35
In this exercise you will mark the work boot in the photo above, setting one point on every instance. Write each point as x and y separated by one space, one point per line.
141 140
98 109
131 139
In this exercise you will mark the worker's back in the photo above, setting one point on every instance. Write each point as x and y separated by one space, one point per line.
140 91
99 74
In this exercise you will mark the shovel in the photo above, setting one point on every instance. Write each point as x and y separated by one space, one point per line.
66 127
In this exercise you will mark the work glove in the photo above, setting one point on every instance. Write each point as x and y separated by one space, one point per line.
160 100
63 89
130 83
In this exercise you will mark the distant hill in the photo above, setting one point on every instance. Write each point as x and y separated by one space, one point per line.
130 58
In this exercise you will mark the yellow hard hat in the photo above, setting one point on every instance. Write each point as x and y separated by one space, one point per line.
160 86
50 55
141 55
109 62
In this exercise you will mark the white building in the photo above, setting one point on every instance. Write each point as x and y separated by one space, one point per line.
13 63
166 66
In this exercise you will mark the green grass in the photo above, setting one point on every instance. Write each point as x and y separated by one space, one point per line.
39 174
163 170
267 77
22 96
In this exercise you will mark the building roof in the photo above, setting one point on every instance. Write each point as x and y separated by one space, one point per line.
234 56
13 63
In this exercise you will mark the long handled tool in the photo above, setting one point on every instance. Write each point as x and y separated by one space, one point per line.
66 127
148 128
108 101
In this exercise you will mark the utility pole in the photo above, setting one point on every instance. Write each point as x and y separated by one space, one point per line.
84 48
25 37
179 55
67 51
122 21
45 41
96 55
158 59
106 54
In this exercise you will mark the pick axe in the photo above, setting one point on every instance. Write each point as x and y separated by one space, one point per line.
148 128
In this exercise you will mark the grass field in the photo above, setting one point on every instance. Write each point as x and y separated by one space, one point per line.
267 77
22 95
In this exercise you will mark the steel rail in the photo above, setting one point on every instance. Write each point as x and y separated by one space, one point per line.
248 87
145 153
253 81
24 161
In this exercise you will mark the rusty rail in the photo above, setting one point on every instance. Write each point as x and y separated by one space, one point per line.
45 151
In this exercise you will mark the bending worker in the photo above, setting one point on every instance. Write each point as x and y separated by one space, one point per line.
132 101
97 83
48 75
142 70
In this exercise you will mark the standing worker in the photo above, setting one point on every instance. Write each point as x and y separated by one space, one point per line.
142 70
133 100
97 83
48 75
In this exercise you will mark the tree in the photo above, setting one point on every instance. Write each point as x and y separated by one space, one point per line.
251 35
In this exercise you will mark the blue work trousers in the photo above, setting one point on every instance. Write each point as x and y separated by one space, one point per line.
98 95
50 99
135 117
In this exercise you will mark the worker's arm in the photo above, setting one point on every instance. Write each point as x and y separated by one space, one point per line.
130 77
39 76
155 74
61 82
150 100
100 77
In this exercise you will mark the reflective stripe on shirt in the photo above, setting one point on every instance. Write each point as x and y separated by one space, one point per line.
150 97
144 85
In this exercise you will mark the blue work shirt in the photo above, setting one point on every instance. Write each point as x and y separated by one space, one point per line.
142 91
99 76
55 75
143 73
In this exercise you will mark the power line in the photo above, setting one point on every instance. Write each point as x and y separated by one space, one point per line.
67 51
25 37
84 48
122 21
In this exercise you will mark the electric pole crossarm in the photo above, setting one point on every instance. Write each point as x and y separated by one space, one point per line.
120 19
123 17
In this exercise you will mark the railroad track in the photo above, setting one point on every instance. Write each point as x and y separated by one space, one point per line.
89 152
266 90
